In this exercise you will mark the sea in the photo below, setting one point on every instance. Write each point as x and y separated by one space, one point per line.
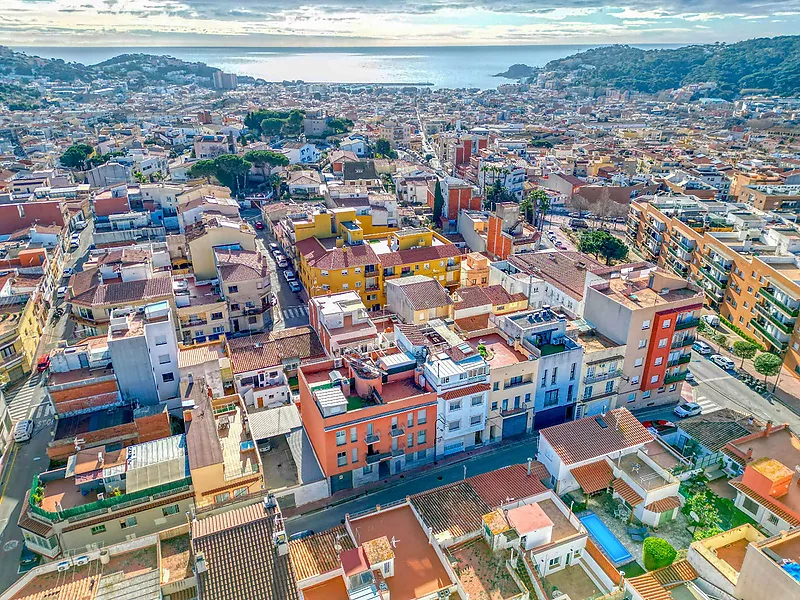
442 66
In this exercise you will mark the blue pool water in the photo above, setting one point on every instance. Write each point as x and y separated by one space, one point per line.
792 569
607 540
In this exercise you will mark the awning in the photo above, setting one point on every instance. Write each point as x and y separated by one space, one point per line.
664 505
593 477
627 492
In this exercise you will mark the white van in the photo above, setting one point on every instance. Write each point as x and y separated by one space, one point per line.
23 430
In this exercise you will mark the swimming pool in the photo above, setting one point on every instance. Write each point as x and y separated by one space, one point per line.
607 540
793 569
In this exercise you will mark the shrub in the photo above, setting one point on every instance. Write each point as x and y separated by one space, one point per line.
658 553
741 333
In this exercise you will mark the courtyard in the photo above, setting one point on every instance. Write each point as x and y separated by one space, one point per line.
483 573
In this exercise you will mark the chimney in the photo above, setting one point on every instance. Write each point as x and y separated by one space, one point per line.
749 455
187 416
530 460
768 428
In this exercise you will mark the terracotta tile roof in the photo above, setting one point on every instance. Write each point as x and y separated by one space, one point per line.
422 292
30 524
270 349
473 323
476 388
656 584
509 482
593 477
455 509
499 296
317 554
664 505
240 265
472 297
585 439
713 434
122 292
416 255
202 444
767 503
627 492
241 556
565 270
337 258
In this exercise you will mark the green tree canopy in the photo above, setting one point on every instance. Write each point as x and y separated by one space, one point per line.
203 168
231 170
271 126
75 156
768 364
657 553
438 204
261 158
744 350
384 148
602 244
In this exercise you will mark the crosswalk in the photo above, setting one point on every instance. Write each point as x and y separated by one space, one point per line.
295 312
708 405
21 398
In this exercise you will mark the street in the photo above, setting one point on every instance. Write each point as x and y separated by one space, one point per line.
715 388
501 456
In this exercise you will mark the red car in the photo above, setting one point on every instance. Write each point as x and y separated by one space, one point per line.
43 364
259 225
659 425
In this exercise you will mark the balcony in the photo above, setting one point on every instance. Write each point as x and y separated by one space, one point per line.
767 294
708 275
721 267
687 324
378 457
674 253
194 323
685 359
373 438
685 245
675 377
786 328
602 376
761 328
687 341
396 432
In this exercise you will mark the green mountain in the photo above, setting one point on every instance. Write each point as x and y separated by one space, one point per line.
768 65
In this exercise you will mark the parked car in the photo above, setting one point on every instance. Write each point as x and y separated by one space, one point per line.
69 271
289 275
282 262
689 376
723 362
294 286
61 292
689 409
259 225
578 224
273 247
23 431
659 425
301 534
712 320
44 363
702 348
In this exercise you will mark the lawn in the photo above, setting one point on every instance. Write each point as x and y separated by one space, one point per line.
632 569
354 403
729 515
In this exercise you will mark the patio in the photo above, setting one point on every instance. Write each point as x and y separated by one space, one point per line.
573 581
483 573
674 532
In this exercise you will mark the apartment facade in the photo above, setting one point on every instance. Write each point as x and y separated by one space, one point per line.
343 324
244 284
655 315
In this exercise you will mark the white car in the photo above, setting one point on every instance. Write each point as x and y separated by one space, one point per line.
723 362
61 292
712 320
701 347
689 409
289 275
69 271
23 430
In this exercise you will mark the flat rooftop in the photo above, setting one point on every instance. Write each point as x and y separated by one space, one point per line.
418 570
640 472
176 563
69 427
562 528
595 342
501 354
642 296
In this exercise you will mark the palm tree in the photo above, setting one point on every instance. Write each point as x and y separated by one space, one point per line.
527 207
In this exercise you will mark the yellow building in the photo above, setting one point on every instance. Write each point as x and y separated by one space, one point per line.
216 232
19 337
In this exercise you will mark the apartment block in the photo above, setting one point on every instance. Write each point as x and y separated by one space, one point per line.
363 428
202 312
211 233
244 284
601 373
779 198
343 324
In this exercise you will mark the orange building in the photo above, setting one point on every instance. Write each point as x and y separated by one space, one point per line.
363 428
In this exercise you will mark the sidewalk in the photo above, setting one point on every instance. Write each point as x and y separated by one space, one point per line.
400 478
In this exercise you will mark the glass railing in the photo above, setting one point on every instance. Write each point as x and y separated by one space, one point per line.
687 324
792 312
787 328
770 337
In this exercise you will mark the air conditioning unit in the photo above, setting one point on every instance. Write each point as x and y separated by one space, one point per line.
101 496
81 560
337 363
200 565
63 566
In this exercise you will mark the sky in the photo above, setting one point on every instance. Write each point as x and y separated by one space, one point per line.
389 22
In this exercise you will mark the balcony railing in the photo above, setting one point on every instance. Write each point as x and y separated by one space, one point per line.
396 432
675 377
770 297
686 358
194 323
684 246
687 341
715 264
675 254
601 376
453 267
373 438
770 338
377 457
786 328
707 274
687 324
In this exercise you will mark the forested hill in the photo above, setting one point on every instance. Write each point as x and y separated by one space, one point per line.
767 65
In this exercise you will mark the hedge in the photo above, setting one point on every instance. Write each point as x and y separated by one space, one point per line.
658 553
742 334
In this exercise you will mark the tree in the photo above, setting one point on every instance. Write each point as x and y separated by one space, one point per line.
140 177
744 350
232 170
497 194
438 204
602 243
294 123
528 208
657 553
578 204
720 339
203 168
271 126
262 158
542 206
768 364
384 148
700 508
75 156
589 243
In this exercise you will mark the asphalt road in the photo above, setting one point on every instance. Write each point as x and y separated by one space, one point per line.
714 387
501 456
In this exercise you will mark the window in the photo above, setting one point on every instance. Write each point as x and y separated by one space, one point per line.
478 400
646 324
662 343
232 289
223 497
410 420
572 371
345 286
422 417
454 425
164 359
161 340
216 316
234 307
341 438
642 343
527 397
749 289
554 562
422 436
252 320
171 510
587 392
634 380
341 459
632 397
516 380
646 395
358 284
658 361
496 386
454 405
544 377
666 323
354 455
494 405
475 420
554 375
367 470
127 523
358 269
353 434
167 377
772 519
654 379
410 440
551 398
516 402
238 492
750 506
98 529
638 362
344 271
